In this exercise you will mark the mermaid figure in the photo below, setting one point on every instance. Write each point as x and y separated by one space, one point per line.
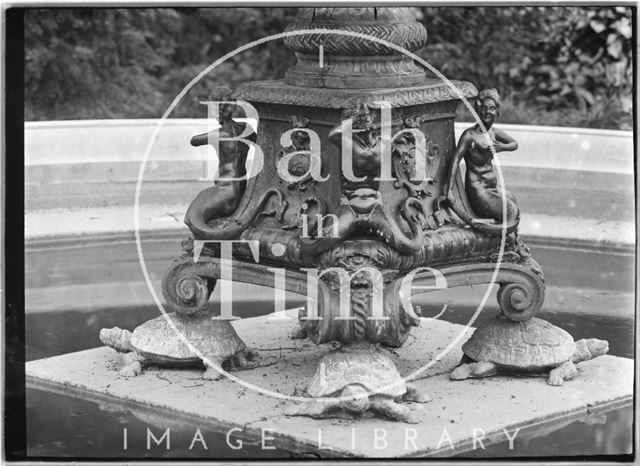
481 184
222 199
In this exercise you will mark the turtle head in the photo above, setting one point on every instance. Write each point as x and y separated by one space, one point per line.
590 348
117 338
358 401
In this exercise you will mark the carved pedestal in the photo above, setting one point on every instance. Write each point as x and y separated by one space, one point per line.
361 232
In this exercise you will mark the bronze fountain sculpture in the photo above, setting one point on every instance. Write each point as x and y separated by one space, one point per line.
358 200
393 225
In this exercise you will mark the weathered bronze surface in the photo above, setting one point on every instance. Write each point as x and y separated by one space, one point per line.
156 343
532 347
477 146
377 229
362 380
222 199
395 226
356 62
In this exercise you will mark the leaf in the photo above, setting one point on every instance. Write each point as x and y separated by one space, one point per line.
585 95
623 26
614 46
597 26
626 103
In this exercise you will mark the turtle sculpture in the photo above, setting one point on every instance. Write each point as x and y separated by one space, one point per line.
361 381
532 347
156 343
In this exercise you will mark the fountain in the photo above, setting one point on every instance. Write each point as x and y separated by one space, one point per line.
353 204
354 198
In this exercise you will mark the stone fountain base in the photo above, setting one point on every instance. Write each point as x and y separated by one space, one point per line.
489 410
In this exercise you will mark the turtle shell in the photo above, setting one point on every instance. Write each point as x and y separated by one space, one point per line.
158 341
531 345
371 369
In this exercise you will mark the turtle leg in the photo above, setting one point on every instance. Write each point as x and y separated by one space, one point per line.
211 373
466 359
415 395
239 360
474 369
390 409
357 403
251 354
298 333
317 409
133 364
565 371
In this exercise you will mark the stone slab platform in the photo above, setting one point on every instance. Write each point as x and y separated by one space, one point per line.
494 407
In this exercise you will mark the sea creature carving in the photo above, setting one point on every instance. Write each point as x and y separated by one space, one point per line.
477 145
222 199
361 205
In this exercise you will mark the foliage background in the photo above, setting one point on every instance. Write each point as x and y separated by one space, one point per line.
567 66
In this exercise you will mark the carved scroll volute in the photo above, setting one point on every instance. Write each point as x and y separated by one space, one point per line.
187 285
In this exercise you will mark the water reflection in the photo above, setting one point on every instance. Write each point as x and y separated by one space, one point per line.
62 332
65 426
596 434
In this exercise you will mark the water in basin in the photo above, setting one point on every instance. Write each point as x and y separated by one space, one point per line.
585 301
